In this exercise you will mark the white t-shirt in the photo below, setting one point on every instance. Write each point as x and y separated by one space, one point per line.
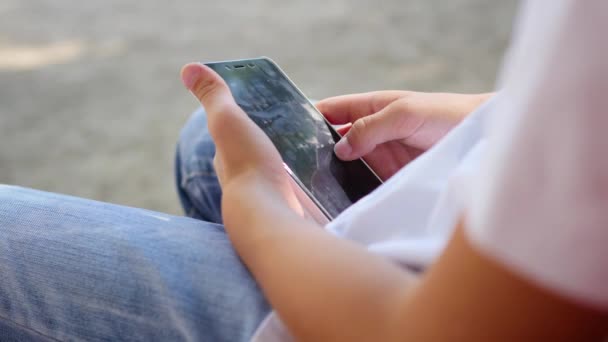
540 200
528 168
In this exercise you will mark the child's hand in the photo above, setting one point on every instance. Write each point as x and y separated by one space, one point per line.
391 128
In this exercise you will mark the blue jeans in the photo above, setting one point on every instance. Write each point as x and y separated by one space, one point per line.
76 269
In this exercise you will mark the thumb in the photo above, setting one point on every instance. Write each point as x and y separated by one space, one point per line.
208 87
229 126
227 122
370 131
225 118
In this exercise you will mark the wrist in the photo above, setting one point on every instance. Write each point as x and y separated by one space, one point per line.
255 196
256 217
473 102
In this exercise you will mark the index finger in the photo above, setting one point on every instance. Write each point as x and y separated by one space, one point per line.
349 108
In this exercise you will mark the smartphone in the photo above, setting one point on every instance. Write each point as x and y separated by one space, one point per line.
324 184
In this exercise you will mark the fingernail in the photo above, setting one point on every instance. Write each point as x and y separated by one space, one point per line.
190 74
343 148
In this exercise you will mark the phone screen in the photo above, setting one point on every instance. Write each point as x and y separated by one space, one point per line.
299 132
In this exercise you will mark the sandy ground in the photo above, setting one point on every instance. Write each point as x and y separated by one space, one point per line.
91 103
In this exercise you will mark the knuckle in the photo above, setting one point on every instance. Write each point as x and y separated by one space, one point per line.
204 87
407 120
361 125
403 104
358 131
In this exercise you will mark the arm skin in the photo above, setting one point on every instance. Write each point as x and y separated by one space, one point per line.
324 288
328 289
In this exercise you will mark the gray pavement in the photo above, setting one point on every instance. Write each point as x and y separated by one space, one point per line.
91 102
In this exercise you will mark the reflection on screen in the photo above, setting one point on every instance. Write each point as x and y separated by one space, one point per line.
299 133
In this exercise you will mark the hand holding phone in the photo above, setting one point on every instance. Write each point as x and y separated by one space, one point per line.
325 185
248 166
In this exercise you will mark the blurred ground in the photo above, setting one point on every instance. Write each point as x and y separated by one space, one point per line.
91 103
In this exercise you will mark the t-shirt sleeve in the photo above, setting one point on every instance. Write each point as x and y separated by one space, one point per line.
539 203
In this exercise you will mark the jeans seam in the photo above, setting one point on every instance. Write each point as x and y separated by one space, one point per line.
29 329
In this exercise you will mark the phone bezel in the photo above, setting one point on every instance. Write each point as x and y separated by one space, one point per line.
329 125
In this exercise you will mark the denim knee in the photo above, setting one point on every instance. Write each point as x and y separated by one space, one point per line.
196 181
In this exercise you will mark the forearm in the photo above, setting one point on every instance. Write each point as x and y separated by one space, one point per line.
323 288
